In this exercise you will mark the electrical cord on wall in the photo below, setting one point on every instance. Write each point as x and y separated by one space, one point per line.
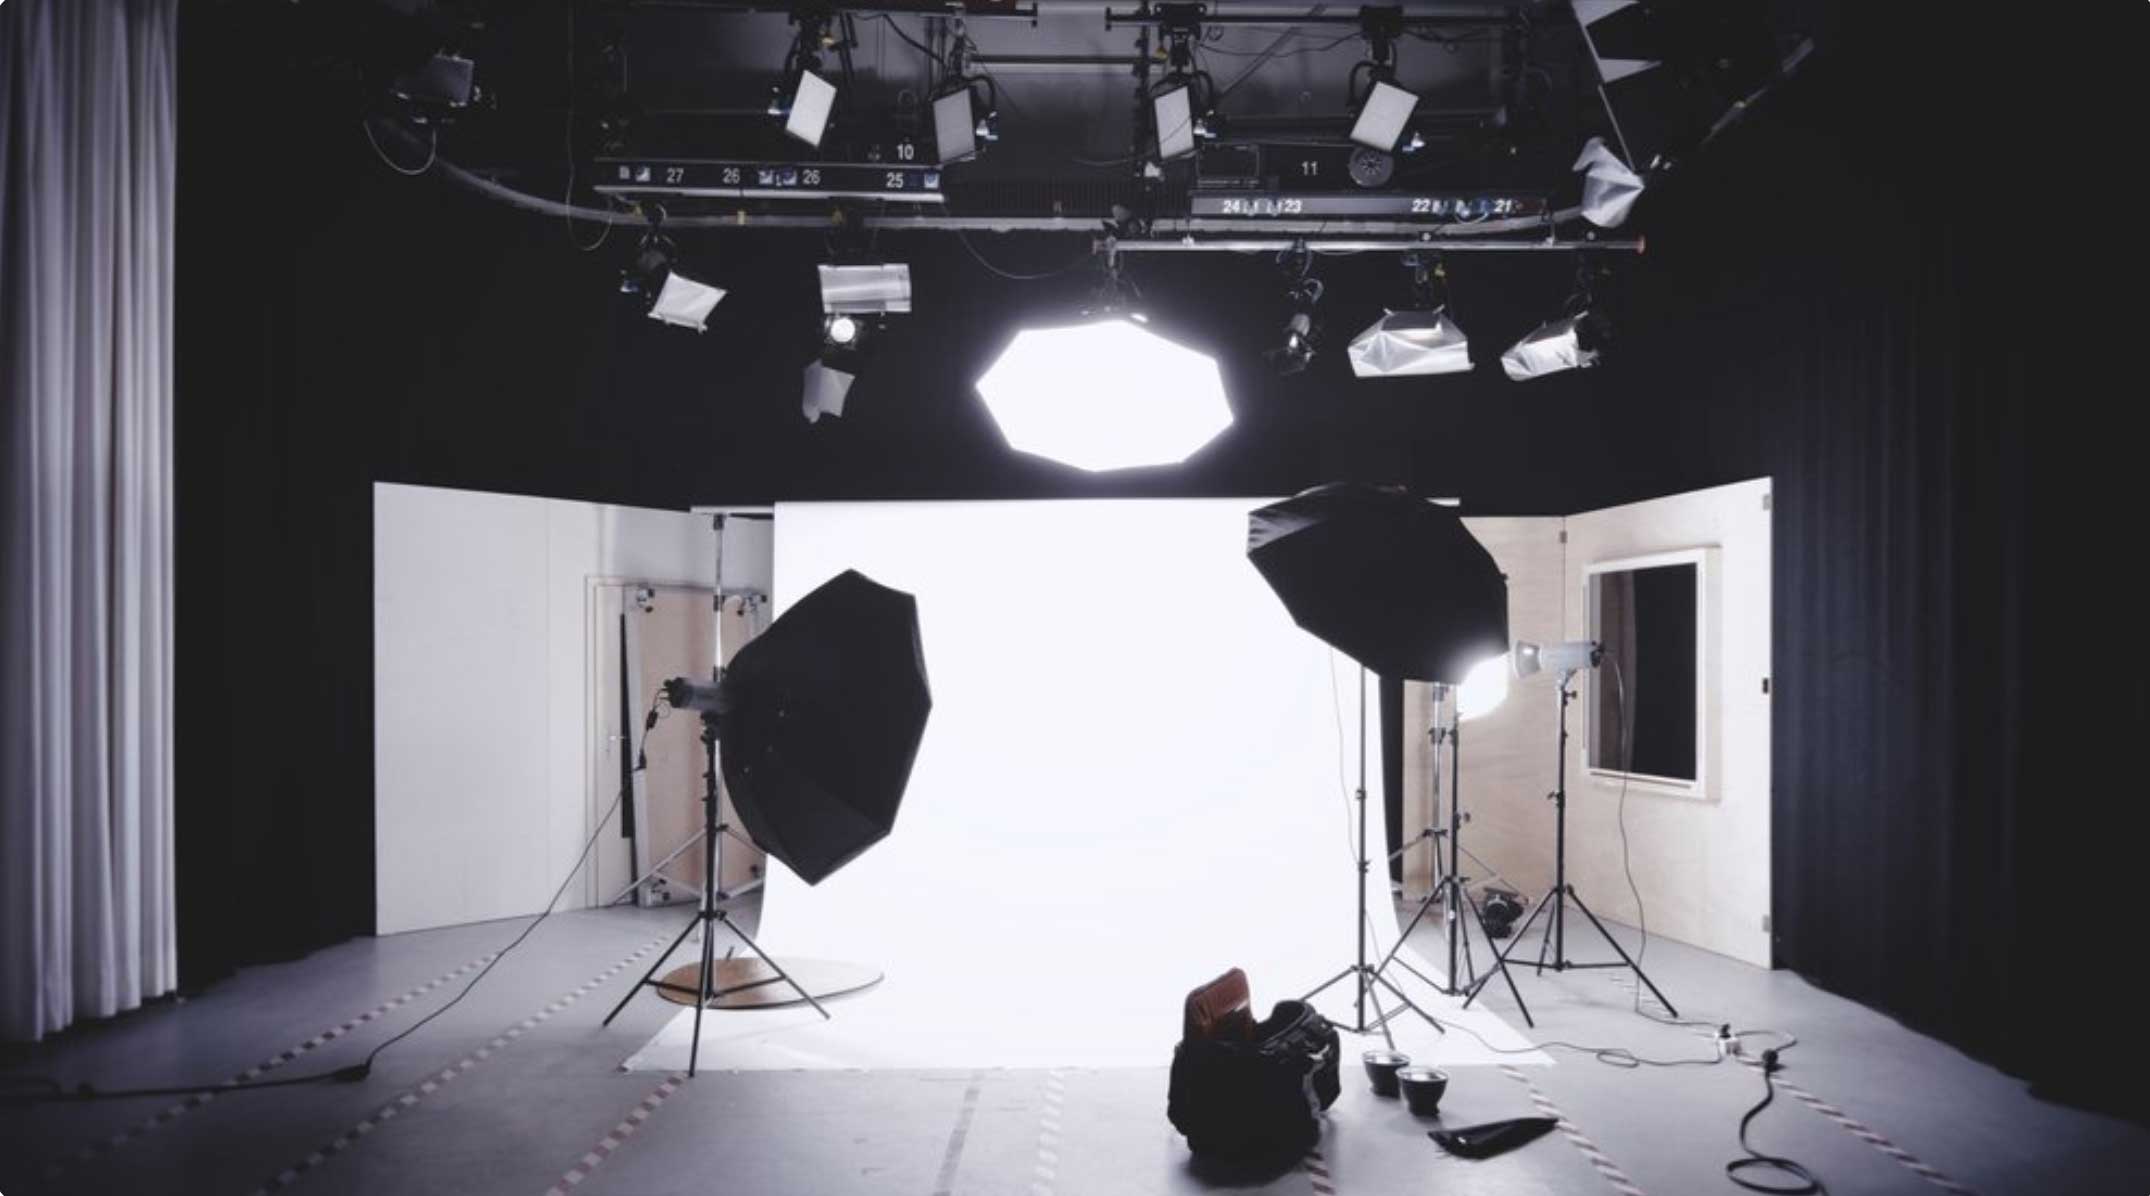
1627 866
53 1090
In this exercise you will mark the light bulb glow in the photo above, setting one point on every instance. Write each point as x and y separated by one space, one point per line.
1107 394
1484 688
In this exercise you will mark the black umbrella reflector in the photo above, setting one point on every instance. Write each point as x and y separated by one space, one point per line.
1393 581
822 717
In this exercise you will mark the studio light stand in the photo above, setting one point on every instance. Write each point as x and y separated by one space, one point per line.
1562 893
1363 975
710 915
1449 888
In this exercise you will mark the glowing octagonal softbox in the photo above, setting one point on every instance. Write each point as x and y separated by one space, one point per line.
1108 394
823 714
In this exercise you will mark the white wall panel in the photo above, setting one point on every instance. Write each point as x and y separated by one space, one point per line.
481 689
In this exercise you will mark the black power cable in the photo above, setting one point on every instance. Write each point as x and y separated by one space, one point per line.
1800 1182
55 1091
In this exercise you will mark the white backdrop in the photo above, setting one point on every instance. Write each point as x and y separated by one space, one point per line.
1135 776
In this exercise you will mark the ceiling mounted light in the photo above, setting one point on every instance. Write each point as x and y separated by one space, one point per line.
868 289
1173 109
665 294
962 125
1303 291
1573 341
1424 340
1610 189
1104 391
802 97
1406 344
1563 344
1105 394
840 330
824 390
806 116
1384 116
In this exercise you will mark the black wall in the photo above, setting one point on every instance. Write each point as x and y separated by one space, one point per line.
1816 305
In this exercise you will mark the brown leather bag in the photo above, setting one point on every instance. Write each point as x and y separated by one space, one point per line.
1220 1011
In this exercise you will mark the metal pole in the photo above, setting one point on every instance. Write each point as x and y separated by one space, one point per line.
1358 929
1455 828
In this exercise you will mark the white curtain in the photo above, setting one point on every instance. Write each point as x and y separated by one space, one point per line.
87 98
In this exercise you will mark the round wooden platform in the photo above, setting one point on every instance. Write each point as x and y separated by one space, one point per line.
745 982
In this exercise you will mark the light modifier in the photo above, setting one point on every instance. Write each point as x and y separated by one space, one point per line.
1174 109
1105 394
1410 343
685 303
1382 118
866 290
824 391
807 115
1564 344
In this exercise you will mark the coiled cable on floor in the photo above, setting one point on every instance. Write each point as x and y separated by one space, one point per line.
1798 1180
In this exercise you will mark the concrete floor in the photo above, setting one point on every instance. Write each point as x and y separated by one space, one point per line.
517 1090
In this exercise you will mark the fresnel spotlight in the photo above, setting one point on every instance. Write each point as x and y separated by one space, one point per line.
1422 340
1303 291
662 291
855 300
1570 341
1103 391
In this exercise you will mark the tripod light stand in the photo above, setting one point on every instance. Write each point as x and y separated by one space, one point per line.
1567 660
1365 976
820 720
710 914
1449 889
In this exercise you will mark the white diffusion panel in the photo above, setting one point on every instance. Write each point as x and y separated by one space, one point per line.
1134 777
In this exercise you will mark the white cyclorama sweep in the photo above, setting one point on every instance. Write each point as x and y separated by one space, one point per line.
1133 779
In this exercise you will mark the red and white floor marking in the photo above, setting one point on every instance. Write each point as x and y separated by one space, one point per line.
1591 1152
1317 1172
169 1115
1845 1121
410 1097
573 1176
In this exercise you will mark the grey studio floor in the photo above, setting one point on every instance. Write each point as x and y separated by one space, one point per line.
537 1102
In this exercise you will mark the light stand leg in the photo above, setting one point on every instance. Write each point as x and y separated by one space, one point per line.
1555 939
684 931
710 914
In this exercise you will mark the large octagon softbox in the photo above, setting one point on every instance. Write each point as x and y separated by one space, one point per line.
1390 579
823 714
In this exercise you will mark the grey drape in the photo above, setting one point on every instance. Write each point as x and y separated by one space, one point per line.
86 182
